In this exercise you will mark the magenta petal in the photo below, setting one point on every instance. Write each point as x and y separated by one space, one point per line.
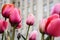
42 25
33 35
30 20
15 17
53 28
3 26
56 9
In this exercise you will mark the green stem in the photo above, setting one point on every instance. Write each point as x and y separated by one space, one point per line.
42 37
27 32
18 39
2 36
52 38
23 37
13 34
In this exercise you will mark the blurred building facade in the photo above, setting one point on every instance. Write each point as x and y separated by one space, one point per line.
40 9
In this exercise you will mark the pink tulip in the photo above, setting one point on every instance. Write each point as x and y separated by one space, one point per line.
3 26
33 35
30 20
42 25
53 28
15 17
56 9
52 17
6 10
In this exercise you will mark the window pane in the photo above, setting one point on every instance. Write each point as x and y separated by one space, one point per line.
45 10
28 9
50 6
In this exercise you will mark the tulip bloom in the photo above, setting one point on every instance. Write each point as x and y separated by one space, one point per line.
45 22
3 26
53 28
33 35
15 17
30 20
56 9
52 17
42 25
52 25
6 10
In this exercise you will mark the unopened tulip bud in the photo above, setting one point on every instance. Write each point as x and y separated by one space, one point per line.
33 35
56 9
15 17
6 10
30 20
3 26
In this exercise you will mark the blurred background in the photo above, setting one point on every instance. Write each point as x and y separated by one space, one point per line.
40 9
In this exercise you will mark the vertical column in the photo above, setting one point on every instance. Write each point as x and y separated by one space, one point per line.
48 9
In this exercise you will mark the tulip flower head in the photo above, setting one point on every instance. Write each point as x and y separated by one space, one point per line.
42 25
15 17
45 22
54 28
56 9
52 17
30 20
3 26
6 10
33 35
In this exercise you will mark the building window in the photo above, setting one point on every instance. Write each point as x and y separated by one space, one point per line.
50 5
34 7
50 1
22 3
28 9
28 1
44 1
18 4
45 11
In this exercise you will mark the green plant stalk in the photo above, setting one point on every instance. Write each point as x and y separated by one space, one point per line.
42 36
52 38
18 39
2 36
13 33
23 37
27 32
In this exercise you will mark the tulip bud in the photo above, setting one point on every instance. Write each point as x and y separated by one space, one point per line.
50 18
6 10
30 20
3 26
15 17
42 25
53 28
56 9
33 35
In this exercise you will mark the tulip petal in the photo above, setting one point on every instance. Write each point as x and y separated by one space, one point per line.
56 9
52 17
53 28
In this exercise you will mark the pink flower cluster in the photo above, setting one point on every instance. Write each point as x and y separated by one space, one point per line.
51 25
